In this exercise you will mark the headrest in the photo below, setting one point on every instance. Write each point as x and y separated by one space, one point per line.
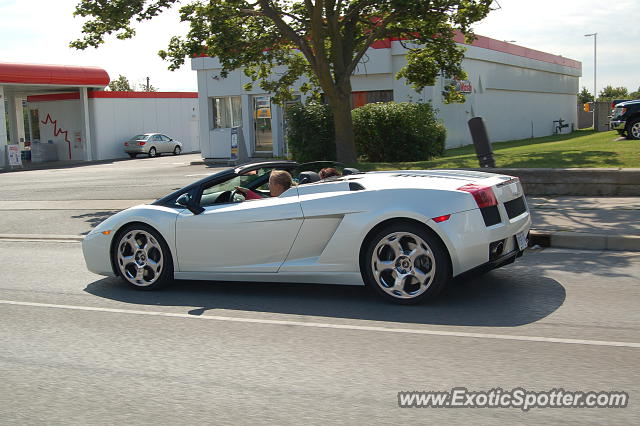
308 177
350 171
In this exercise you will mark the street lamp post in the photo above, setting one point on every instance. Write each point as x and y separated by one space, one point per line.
595 43
595 87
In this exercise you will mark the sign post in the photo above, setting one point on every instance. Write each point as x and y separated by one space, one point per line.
14 156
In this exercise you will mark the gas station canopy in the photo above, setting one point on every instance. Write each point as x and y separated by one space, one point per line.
18 81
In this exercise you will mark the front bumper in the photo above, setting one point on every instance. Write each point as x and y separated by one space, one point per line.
96 250
617 124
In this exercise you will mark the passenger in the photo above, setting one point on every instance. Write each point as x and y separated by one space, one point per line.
328 172
279 182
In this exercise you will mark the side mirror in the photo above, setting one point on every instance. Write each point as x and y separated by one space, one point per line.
185 201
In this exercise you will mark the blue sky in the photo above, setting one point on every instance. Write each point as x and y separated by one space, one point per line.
38 31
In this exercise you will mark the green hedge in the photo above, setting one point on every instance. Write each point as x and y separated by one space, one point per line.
398 132
310 132
386 131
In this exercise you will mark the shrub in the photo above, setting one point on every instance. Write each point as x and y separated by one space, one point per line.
310 132
398 132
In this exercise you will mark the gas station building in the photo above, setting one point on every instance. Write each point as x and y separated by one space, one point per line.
73 118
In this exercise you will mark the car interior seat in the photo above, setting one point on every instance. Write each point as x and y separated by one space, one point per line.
308 177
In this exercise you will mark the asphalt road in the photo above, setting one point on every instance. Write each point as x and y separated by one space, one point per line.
82 349
77 348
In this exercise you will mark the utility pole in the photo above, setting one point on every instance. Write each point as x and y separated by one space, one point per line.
595 63
147 84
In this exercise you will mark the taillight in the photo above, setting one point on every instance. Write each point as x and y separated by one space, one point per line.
441 218
483 195
141 143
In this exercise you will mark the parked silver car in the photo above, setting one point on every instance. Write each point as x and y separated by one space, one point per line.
152 144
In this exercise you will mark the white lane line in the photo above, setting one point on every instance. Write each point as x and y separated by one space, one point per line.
334 326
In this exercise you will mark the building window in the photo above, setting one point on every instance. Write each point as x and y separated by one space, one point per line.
359 99
227 112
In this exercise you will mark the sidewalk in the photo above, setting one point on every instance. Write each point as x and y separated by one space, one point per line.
596 223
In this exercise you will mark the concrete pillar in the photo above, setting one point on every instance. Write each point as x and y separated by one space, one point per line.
601 116
20 122
3 131
276 129
86 123
247 123
14 135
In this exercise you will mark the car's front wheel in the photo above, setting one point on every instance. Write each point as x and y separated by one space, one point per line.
152 152
176 150
405 263
142 257
633 131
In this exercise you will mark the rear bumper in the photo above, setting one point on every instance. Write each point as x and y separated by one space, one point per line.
470 239
617 124
135 149
504 260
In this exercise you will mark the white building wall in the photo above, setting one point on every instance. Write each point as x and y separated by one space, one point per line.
517 97
114 120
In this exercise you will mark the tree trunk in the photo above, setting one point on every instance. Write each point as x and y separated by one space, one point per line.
340 105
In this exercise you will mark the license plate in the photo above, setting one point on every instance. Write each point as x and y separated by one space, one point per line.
521 237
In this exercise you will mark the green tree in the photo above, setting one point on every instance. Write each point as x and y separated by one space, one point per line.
120 84
635 95
609 93
584 96
322 40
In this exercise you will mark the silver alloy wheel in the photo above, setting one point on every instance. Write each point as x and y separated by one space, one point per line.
634 131
152 152
176 150
403 265
139 258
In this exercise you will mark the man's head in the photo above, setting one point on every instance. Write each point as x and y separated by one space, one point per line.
279 181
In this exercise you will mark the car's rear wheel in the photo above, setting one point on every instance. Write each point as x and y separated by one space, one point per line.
132 155
142 257
176 150
405 263
152 152
633 131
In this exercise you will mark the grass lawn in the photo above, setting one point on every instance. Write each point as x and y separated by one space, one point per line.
582 148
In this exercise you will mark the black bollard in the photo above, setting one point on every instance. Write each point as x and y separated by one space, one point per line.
481 142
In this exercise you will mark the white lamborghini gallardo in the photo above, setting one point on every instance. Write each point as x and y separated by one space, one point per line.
405 234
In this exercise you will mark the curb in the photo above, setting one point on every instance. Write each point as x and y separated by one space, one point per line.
582 240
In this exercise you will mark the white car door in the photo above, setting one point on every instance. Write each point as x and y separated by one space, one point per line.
250 236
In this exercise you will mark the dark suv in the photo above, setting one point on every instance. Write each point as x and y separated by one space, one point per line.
625 118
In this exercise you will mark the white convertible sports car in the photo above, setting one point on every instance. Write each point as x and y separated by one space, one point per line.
404 234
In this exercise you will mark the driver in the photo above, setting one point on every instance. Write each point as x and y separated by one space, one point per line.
279 182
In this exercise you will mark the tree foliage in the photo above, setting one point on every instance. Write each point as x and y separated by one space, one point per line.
609 93
584 96
120 84
277 42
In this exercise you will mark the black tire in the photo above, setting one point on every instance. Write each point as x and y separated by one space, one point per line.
633 129
177 150
434 263
154 249
152 152
132 155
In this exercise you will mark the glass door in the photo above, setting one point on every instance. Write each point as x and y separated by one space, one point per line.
263 136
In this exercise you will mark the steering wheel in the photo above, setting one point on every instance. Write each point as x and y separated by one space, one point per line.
232 196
